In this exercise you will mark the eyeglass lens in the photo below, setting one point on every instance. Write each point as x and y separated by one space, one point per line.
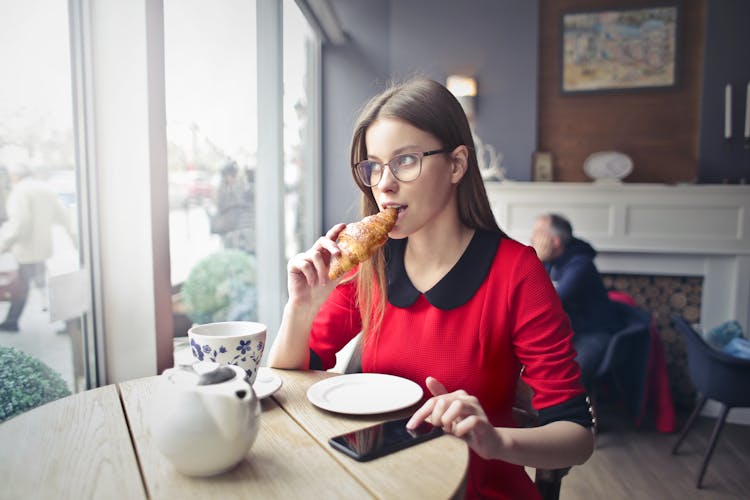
405 168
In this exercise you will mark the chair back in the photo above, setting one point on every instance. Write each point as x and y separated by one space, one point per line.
633 338
626 359
714 374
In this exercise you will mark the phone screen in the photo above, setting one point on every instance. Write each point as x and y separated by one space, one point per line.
383 438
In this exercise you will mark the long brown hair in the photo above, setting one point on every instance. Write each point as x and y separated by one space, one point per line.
428 106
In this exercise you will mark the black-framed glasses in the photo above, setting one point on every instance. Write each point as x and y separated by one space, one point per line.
404 167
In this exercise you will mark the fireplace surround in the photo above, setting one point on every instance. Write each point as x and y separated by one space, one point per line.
651 231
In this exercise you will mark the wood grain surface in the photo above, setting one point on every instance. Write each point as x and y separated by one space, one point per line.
284 461
98 444
637 463
75 447
434 469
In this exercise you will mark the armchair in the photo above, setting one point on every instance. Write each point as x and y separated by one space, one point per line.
627 356
717 376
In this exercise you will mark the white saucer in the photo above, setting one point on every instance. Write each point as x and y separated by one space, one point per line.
266 383
184 357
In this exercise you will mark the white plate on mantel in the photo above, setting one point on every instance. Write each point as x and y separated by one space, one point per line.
608 166
364 393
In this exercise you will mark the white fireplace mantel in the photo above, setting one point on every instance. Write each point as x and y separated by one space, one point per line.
655 229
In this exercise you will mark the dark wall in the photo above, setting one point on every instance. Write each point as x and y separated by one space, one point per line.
494 40
727 61
351 74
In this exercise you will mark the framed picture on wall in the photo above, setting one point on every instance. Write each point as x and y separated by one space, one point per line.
623 49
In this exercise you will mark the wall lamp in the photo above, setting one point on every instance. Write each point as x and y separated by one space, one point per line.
465 90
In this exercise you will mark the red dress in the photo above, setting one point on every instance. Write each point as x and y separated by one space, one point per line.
495 312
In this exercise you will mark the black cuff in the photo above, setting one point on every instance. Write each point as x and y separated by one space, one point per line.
576 410
315 362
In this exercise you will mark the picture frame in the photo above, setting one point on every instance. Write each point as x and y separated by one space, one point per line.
620 49
542 167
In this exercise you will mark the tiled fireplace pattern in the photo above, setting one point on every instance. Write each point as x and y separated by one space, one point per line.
665 295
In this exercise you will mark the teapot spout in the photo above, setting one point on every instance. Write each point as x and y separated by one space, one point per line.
234 413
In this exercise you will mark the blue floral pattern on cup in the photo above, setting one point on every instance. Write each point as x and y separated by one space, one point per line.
246 350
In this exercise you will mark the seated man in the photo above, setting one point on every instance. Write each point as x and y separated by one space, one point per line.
570 264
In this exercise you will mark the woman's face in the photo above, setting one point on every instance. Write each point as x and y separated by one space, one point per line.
426 199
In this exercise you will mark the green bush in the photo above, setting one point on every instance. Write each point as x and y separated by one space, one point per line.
26 383
221 287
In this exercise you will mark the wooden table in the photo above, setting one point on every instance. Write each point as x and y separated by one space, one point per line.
97 444
75 447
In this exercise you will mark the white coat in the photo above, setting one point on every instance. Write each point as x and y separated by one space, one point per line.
33 209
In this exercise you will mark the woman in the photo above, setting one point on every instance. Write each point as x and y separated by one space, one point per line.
450 302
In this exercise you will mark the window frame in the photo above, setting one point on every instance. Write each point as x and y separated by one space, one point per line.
118 350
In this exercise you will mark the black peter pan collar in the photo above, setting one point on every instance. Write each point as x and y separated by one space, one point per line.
455 288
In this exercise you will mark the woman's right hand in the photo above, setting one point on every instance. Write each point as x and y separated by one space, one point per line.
460 414
309 287
307 272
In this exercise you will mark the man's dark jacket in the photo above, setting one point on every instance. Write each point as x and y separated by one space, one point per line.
581 289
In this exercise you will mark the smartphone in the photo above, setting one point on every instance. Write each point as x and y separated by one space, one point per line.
383 438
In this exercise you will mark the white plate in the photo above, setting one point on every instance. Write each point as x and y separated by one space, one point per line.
364 393
266 383
608 165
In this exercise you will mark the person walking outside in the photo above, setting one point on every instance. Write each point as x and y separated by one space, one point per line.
33 209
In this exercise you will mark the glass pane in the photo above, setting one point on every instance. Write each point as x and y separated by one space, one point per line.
210 71
38 198
300 51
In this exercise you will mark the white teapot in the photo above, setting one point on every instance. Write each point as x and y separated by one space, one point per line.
205 424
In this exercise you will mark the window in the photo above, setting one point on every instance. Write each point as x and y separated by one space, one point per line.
301 56
212 129
113 162
210 76
37 155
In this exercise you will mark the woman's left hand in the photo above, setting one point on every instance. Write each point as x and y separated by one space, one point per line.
459 414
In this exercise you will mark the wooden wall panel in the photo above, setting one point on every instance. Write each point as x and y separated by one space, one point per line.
658 129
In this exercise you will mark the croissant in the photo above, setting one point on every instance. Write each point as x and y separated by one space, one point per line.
359 240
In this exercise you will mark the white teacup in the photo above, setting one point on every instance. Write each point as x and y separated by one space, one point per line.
239 343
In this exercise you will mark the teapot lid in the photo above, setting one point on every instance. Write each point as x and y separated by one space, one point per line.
218 375
205 376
